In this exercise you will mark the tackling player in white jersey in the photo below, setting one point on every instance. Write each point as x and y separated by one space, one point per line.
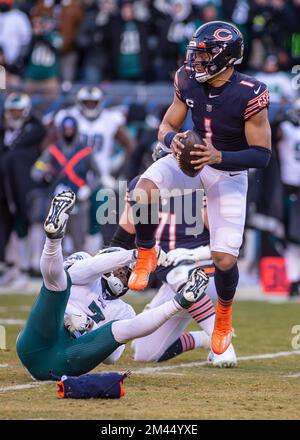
78 321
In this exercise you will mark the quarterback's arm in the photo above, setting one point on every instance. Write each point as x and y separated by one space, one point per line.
171 123
258 135
258 130
85 271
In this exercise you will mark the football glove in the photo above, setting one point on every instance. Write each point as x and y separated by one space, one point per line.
161 256
159 151
78 323
179 255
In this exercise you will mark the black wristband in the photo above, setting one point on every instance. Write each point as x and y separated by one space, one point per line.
168 138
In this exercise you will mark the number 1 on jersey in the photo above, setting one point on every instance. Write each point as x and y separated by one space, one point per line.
208 130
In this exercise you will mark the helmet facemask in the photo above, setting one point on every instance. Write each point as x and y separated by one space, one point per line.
90 109
89 102
203 64
116 282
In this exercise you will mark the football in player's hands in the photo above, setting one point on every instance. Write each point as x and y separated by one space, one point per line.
184 160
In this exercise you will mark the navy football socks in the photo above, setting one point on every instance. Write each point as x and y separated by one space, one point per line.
145 224
226 282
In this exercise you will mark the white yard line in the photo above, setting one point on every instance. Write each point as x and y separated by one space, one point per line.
24 386
269 356
12 321
149 370
293 376
4 365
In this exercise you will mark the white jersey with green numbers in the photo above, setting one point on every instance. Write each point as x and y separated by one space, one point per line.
87 297
289 153
98 133
90 301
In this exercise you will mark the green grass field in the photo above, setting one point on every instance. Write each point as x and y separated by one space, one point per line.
267 388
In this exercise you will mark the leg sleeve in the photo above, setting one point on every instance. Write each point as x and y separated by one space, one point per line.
54 276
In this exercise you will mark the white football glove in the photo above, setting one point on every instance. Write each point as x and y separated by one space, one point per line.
178 255
79 323
161 256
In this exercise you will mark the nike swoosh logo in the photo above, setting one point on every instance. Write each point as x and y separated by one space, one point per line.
212 96
256 91
234 174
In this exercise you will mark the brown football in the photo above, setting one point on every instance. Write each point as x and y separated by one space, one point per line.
184 160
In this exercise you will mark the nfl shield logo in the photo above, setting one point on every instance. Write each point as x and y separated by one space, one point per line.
208 107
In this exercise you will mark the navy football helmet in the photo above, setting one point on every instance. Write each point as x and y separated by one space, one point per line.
214 47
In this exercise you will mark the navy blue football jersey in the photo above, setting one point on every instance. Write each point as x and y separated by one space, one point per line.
219 113
176 221
173 230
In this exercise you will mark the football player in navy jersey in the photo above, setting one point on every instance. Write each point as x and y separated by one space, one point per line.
229 111
185 252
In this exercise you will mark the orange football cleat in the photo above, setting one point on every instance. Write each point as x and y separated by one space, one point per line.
222 334
145 264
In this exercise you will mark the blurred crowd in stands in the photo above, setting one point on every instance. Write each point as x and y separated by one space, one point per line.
87 82
45 41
